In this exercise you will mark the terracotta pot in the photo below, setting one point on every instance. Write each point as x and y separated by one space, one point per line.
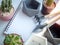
31 7
47 9
7 15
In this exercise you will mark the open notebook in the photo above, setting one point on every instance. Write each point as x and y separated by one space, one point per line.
22 25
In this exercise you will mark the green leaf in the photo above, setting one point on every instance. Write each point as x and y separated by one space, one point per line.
17 38
19 42
13 43
7 40
11 36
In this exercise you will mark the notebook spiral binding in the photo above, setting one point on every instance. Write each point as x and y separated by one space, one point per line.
11 20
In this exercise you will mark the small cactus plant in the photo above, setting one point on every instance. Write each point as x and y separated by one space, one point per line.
6 5
13 39
49 2
48 6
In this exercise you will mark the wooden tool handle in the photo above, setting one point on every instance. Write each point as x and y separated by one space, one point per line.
52 15
55 11
53 19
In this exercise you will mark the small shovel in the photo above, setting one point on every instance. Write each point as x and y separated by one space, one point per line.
44 23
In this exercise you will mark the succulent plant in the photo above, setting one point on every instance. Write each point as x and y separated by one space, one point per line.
6 5
49 2
13 39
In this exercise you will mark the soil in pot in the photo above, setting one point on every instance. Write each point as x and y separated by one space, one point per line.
47 9
33 4
55 30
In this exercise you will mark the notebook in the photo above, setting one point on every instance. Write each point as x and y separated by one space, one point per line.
22 25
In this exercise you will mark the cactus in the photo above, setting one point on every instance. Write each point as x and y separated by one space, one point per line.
13 39
6 5
49 2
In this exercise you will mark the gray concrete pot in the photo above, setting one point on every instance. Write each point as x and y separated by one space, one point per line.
51 38
31 7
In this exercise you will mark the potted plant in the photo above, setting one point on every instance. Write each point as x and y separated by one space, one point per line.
31 7
48 6
6 10
53 33
13 39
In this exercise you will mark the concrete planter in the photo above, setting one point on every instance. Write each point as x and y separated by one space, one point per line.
31 7
49 36
52 36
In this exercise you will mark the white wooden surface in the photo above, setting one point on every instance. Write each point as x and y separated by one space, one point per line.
22 25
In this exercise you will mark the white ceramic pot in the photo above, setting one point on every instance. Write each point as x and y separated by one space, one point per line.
7 15
36 40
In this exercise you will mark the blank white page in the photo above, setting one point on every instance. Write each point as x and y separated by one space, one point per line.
22 25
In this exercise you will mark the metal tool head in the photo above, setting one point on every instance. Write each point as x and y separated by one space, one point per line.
41 20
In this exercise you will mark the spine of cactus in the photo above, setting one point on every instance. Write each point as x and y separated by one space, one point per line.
6 5
10 4
49 2
2 5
